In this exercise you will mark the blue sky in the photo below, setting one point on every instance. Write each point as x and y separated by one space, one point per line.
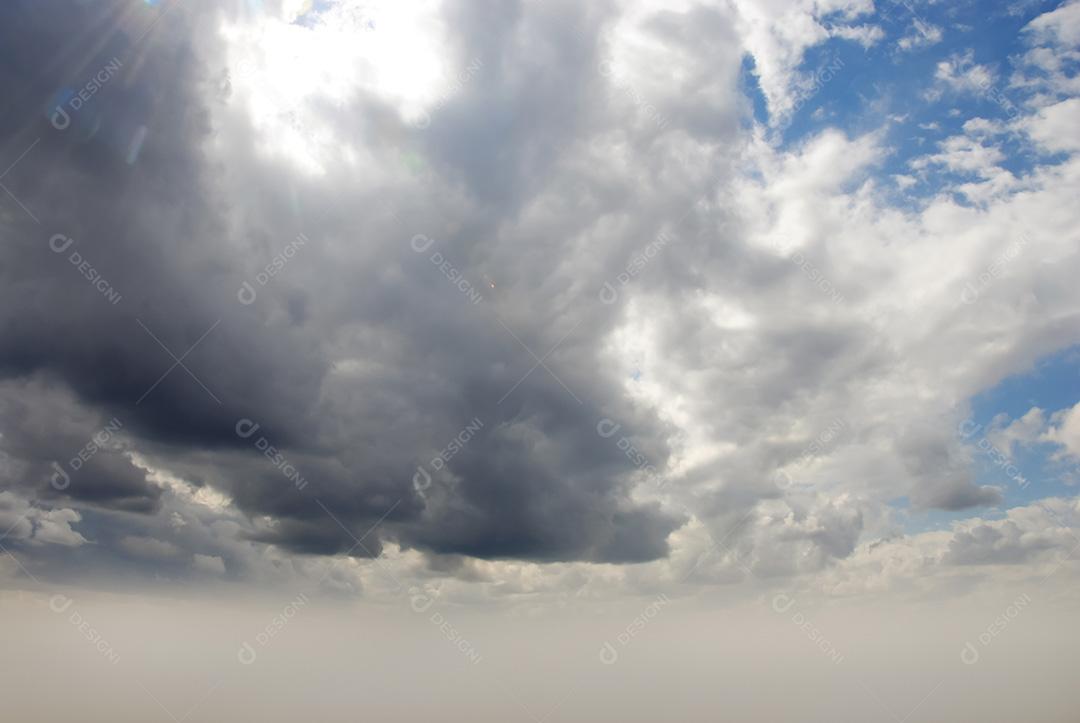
894 87
1053 385
897 79
884 81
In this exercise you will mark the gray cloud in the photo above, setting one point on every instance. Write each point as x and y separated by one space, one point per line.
582 230
360 361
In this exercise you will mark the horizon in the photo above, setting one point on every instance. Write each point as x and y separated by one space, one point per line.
538 360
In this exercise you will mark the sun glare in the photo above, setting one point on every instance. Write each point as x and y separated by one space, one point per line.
287 68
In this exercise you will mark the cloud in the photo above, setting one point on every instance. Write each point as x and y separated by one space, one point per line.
778 35
943 479
323 287
1060 429
1047 68
149 548
923 34
959 72
1060 26
865 35
1064 430
1052 128
964 154
20 521
353 386
210 564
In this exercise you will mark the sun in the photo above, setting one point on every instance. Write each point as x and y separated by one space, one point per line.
286 69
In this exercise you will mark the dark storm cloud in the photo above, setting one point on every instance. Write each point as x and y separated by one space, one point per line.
151 228
358 365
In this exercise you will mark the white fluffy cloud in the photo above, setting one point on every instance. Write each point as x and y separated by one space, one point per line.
962 74
1060 429
777 34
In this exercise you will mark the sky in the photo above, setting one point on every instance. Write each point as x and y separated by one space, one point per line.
539 360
